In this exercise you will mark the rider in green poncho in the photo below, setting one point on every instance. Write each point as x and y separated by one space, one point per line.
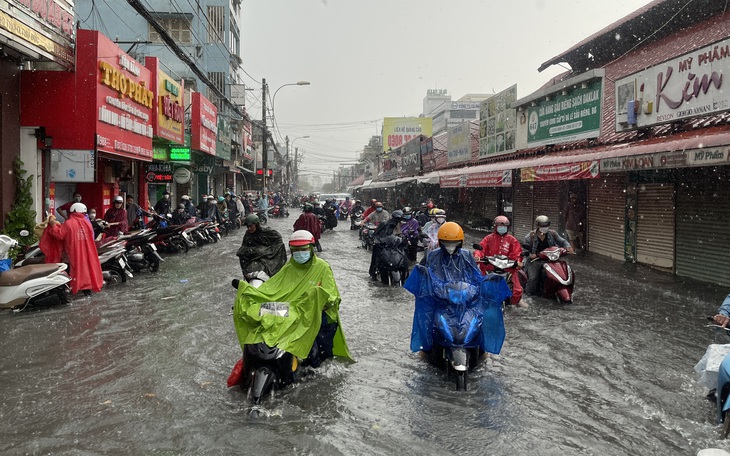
307 285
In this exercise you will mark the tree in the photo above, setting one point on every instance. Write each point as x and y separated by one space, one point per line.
21 215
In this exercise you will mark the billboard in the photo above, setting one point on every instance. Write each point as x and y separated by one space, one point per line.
565 116
459 143
397 131
497 126
687 86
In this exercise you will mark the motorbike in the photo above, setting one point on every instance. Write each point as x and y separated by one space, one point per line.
263 218
330 220
355 219
115 268
501 265
714 373
344 212
456 332
32 285
141 251
367 232
391 260
279 210
264 369
556 276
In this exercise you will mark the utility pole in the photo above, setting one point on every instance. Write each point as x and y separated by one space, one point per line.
264 140
287 181
296 168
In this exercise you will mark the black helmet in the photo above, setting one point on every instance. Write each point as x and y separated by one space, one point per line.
251 219
181 206
308 208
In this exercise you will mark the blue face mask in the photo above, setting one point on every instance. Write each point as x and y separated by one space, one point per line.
302 257
407 217
380 209
502 230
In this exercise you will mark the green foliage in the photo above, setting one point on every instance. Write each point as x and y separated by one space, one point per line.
21 215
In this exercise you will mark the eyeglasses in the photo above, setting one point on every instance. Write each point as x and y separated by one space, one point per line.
303 248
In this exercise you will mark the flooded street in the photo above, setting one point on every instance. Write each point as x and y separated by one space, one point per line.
142 368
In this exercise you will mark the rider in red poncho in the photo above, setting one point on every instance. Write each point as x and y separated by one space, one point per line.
308 221
77 237
502 243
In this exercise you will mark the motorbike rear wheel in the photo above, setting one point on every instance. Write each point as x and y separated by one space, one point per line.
153 264
180 245
116 276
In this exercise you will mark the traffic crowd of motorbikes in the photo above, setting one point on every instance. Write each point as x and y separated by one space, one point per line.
286 313
86 252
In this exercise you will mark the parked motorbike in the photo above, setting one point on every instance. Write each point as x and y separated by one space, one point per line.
32 285
391 260
141 251
113 259
556 276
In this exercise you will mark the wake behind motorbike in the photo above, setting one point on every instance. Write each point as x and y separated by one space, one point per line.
556 276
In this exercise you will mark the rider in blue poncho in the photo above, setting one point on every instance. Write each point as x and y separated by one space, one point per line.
450 286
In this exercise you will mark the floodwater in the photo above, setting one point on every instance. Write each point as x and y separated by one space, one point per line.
142 368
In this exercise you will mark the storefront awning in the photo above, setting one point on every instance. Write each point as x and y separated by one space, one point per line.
681 143
429 178
245 170
357 181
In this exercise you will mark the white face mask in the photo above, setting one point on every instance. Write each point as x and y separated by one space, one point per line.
544 229
440 220
450 247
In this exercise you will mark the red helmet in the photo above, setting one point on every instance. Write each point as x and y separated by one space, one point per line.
430 205
501 220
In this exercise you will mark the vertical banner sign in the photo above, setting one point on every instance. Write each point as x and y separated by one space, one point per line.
497 124
169 108
566 116
459 143
399 130
204 124
124 101
410 158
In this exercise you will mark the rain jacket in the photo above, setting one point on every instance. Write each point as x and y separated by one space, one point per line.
114 215
309 289
308 221
264 246
497 244
77 237
483 299
411 229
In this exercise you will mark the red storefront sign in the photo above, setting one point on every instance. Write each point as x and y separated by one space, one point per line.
106 104
169 106
501 178
565 171
204 124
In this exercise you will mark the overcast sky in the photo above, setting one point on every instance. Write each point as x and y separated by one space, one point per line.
369 59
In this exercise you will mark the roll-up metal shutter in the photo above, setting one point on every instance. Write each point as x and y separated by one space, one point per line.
702 218
545 200
522 209
655 224
606 215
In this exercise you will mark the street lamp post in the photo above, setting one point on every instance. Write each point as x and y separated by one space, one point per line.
264 133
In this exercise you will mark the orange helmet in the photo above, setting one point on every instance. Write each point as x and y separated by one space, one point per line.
450 231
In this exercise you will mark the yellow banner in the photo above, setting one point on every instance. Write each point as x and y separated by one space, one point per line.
399 130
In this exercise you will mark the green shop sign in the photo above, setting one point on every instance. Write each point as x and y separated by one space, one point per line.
180 153
565 116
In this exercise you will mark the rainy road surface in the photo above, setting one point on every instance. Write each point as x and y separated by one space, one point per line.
141 369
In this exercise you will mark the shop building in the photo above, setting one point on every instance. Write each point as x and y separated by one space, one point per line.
100 119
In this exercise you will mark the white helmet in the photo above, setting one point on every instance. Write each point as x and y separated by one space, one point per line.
300 238
185 197
78 207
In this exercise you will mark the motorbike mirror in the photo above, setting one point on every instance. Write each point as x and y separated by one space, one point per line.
24 233
477 246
